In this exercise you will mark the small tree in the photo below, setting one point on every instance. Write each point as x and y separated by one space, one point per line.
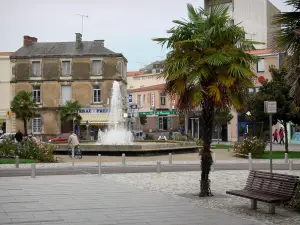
275 90
24 107
69 112
222 116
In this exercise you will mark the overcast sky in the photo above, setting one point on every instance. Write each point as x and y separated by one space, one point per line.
127 26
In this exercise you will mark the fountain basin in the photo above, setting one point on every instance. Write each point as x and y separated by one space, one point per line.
134 147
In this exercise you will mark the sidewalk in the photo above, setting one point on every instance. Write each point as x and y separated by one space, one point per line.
91 200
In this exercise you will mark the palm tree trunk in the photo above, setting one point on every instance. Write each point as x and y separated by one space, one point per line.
25 127
186 122
206 158
286 137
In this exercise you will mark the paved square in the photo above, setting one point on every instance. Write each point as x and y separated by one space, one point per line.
92 199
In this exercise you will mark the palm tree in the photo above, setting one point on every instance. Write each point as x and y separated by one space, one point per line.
24 107
69 112
207 66
289 40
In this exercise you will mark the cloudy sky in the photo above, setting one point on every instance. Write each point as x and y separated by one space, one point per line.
127 26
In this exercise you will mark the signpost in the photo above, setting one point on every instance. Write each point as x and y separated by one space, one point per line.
270 107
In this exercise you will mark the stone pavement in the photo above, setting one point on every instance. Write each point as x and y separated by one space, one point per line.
92 199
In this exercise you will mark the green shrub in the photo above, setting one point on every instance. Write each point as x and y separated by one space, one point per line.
178 137
295 202
251 145
149 137
42 152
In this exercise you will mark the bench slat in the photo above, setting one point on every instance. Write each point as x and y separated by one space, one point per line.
257 196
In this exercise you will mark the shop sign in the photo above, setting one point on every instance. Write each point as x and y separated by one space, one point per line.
93 111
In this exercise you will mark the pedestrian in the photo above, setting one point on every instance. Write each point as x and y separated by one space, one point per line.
275 136
170 134
19 138
281 135
73 142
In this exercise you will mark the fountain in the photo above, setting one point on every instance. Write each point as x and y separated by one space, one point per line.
116 134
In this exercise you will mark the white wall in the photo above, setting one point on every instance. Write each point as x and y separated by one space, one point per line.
5 90
144 80
253 17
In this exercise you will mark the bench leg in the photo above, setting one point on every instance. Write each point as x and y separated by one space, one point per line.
272 208
253 204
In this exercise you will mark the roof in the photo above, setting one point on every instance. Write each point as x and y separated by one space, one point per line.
6 53
134 73
63 49
262 51
149 88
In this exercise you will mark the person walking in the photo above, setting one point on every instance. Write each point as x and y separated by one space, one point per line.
275 136
281 135
19 138
73 140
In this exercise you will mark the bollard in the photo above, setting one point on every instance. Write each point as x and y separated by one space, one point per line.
291 165
214 158
33 170
212 167
286 157
250 156
170 158
250 164
73 156
17 161
158 167
99 164
123 159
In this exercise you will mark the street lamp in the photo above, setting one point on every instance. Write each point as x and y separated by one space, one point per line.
248 113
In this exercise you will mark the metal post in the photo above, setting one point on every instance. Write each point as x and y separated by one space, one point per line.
73 158
291 165
214 158
123 159
158 167
17 161
33 170
286 157
99 164
270 124
249 156
170 158
250 161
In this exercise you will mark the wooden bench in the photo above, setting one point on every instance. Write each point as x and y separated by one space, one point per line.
266 187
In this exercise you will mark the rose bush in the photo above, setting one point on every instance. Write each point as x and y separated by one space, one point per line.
251 145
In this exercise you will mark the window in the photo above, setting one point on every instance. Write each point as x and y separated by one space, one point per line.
162 99
96 94
157 70
66 68
163 123
261 65
144 98
139 100
96 67
36 94
36 125
66 94
36 68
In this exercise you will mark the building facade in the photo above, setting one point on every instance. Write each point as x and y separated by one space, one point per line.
158 107
255 16
5 92
57 72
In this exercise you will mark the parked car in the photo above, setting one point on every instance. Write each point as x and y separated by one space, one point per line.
61 138
7 136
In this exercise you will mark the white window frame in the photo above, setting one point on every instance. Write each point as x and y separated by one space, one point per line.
139 100
36 125
100 67
35 94
33 68
260 66
62 68
98 98
162 96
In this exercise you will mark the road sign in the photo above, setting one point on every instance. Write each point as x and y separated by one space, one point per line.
133 106
152 99
129 98
270 107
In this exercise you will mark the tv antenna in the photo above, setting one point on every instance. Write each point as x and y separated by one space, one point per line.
82 17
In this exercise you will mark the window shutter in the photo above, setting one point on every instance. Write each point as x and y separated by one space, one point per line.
157 123
169 122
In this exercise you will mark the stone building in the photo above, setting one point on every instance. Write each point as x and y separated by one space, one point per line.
56 72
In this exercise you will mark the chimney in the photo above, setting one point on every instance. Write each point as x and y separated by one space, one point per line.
78 40
101 42
27 40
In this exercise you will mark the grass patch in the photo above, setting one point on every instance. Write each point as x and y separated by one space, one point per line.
13 161
279 155
221 146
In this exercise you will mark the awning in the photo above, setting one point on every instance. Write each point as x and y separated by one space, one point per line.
95 118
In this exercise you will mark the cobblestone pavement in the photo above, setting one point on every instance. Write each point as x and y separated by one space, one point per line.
91 200
185 185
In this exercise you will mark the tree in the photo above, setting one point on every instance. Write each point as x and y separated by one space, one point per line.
208 67
69 113
24 107
275 90
222 116
289 40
